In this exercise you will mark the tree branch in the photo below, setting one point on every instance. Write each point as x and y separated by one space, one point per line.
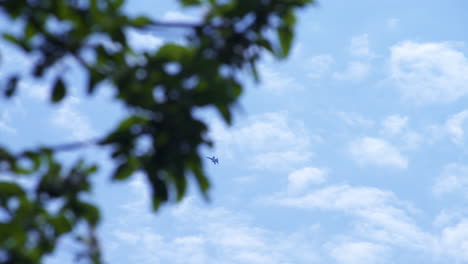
75 145
176 24
65 147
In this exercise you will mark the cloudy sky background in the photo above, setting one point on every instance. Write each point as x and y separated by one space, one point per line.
351 151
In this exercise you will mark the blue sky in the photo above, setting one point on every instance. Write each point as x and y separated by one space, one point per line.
351 151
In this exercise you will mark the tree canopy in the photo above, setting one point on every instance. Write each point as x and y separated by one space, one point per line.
230 37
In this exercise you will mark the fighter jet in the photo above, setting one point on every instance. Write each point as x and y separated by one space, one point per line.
213 159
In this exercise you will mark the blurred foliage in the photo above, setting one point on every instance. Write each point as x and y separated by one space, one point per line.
230 37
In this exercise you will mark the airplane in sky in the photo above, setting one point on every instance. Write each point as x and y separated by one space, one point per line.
213 159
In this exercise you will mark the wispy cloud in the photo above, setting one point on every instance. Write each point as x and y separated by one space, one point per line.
358 252
455 127
394 124
277 82
453 179
355 119
318 66
376 151
359 68
5 122
279 159
175 16
35 91
266 141
301 179
360 47
397 128
216 235
449 217
144 41
75 123
356 70
454 241
382 222
433 72
393 23
379 214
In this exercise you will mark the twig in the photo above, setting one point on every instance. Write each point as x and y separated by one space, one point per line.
64 147
176 24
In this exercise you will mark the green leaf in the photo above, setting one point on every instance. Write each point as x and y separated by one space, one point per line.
30 31
172 52
21 42
94 77
225 113
10 38
34 158
266 44
89 212
289 19
61 224
126 169
181 185
141 21
18 169
91 169
202 181
285 36
160 193
191 2
11 86
118 3
10 189
254 71
59 90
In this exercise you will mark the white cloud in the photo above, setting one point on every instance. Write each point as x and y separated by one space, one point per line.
380 223
175 16
144 41
394 124
360 46
267 141
279 159
454 178
5 122
301 179
379 214
448 217
318 66
297 52
15 59
412 139
354 119
277 82
453 129
263 130
340 197
454 241
36 91
358 252
359 68
127 237
455 126
215 235
375 151
393 23
356 70
429 72
69 118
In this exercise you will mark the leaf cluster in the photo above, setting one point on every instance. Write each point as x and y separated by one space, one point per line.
33 220
160 137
